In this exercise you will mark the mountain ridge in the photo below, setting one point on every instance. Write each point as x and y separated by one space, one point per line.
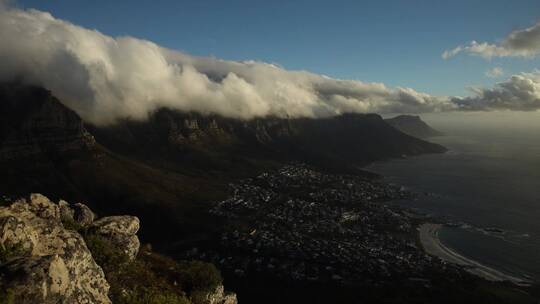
334 142
168 169
413 125
34 122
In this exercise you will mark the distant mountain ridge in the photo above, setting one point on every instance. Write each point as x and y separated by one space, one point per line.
413 125
340 141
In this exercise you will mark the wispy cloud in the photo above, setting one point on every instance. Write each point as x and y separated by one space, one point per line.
520 43
494 72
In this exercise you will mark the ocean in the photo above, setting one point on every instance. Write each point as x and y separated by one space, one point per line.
489 183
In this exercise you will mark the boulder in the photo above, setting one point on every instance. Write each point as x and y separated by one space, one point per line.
15 234
121 232
122 224
83 215
66 212
128 244
40 206
51 264
219 296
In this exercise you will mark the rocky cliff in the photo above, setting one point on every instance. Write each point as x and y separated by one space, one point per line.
34 123
61 253
192 138
42 261
412 125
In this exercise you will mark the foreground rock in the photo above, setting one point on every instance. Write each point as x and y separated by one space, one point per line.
219 296
121 232
83 215
42 261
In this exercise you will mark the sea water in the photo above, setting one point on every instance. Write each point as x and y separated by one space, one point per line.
489 183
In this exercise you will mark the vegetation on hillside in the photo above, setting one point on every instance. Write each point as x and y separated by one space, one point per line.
151 278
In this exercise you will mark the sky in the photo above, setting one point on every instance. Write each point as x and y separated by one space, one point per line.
125 59
396 42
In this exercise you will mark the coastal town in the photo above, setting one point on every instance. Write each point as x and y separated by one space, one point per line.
300 224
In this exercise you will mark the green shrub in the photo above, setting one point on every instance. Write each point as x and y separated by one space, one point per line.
151 278
144 295
6 296
198 297
106 255
136 283
8 251
71 224
132 282
199 276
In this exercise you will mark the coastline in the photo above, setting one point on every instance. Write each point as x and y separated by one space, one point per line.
429 238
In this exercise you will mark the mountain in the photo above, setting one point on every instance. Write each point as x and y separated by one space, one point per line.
168 169
45 148
412 125
34 123
210 141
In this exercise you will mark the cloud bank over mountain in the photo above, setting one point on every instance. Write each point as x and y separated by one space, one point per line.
104 78
519 43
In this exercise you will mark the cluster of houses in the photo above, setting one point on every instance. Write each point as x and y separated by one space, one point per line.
301 224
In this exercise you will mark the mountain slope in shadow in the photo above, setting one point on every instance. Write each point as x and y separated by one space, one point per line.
168 169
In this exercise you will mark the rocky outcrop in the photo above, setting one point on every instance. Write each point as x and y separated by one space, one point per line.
121 232
66 212
36 124
82 215
44 262
44 258
79 213
219 296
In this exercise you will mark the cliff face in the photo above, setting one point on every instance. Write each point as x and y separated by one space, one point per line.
191 130
335 141
35 123
413 125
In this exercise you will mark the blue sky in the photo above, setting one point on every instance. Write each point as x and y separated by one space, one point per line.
396 42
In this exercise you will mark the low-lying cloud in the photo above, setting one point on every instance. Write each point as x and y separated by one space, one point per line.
519 43
104 79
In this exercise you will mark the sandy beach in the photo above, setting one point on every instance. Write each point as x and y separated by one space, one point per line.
432 245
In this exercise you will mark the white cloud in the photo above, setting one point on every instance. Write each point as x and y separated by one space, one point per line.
494 72
104 78
519 43
520 92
